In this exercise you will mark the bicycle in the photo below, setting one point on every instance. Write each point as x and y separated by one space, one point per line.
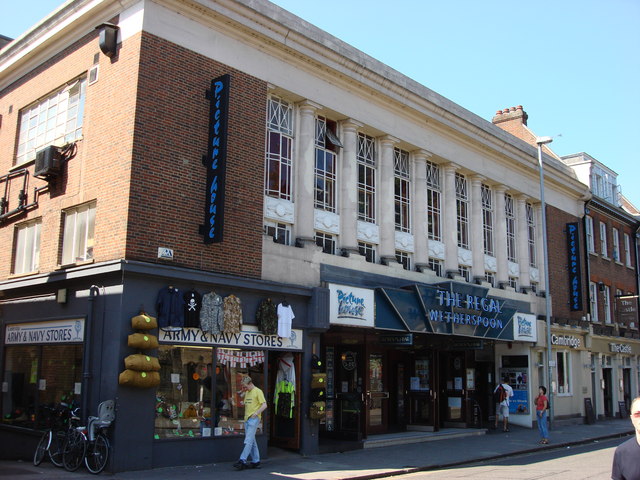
52 439
75 445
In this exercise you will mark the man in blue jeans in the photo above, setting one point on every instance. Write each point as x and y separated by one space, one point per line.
254 405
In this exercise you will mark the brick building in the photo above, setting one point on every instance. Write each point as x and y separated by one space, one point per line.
231 151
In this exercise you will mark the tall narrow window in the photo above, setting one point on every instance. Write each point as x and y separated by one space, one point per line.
366 178
278 149
402 189
325 170
593 301
606 304
604 251
77 241
487 218
434 202
616 244
627 250
56 120
509 212
27 247
462 210
563 366
591 246
531 234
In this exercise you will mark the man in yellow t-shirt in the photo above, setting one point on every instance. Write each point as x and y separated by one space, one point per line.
254 405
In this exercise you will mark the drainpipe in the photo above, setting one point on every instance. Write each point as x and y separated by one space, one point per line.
86 354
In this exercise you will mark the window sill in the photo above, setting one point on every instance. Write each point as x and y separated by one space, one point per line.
26 274
76 264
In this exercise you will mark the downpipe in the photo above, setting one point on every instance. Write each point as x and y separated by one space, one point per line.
86 353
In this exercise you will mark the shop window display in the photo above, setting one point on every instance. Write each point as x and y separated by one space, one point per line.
191 382
39 376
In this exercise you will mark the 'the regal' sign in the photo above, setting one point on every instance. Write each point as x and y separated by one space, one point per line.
216 160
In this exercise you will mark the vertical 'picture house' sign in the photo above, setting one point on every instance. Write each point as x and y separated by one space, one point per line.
575 281
216 159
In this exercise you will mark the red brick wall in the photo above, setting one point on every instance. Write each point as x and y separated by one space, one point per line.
168 178
558 264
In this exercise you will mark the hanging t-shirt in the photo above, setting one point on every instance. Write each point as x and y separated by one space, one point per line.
285 317
192 306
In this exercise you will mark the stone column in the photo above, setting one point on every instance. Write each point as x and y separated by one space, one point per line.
500 229
386 201
349 188
477 234
449 219
304 167
419 208
523 242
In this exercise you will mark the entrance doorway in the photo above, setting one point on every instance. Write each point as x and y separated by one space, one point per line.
607 392
377 394
452 392
284 379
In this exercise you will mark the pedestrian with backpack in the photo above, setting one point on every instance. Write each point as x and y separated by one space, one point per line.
501 394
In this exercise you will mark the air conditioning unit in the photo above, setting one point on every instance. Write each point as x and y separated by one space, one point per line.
48 163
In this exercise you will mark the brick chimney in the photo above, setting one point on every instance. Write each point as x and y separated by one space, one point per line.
514 121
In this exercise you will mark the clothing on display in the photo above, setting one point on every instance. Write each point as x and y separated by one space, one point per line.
170 308
284 395
285 318
267 317
211 313
232 314
192 307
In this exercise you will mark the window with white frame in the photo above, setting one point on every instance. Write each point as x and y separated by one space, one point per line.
534 287
54 120
531 234
591 246
279 146
368 250
325 170
462 210
465 272
280 232
563 367
327 242
77 239
615 236
627 250
436 265
593 301
366 178
603 239
402 190
606 304
434 202
487 218
604 184
510 215
490 277
513 283
27 247
404 258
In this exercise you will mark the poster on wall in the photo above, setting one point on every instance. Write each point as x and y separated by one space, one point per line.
519 382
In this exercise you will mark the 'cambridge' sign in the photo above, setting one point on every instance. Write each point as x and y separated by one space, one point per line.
58 331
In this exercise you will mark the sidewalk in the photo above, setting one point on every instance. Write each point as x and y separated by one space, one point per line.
357 464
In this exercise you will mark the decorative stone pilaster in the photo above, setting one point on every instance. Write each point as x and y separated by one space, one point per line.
477 237
502 274
349 188
523 242
419 207
449 220
386 201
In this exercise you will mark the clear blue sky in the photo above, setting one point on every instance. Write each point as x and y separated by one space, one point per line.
573 64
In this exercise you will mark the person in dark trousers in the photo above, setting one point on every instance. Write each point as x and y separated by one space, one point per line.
502 404
254 405
626 459
542 402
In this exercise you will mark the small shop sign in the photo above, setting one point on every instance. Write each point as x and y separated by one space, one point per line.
396 339
57 331
249 337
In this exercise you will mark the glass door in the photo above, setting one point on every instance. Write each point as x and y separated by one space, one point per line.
377 395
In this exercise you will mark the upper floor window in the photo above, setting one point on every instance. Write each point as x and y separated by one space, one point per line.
627 250
462 210
366 157
603 240
27 247
615 235
434 202
368 250
436 265
531 234
604 184
402 190
326 241
465 272
279 148
487 218
54 120
280 232
593 301
404 258
591 246
77 239
606 303
510 215
325 170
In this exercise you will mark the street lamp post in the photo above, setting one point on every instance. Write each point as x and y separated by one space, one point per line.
540 141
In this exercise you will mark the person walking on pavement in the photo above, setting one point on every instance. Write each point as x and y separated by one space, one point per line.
626 459
502 393
254 405
541 402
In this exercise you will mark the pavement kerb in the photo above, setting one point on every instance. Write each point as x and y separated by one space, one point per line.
405 471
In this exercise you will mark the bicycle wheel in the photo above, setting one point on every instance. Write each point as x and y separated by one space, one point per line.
41 449
74 450
56 448
97 454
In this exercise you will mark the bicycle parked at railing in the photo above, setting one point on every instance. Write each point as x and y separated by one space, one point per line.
52 440
90 443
